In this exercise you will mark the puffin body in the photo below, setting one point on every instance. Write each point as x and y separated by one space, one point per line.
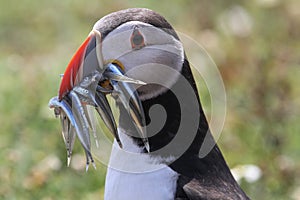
156 151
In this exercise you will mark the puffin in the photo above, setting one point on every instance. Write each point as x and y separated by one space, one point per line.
136 57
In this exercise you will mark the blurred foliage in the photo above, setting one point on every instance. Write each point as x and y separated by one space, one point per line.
255 44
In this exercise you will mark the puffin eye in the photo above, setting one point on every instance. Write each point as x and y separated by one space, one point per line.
137 39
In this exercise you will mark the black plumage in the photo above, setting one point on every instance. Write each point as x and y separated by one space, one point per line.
199 178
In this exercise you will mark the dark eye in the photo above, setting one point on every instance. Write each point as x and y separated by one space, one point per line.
137 39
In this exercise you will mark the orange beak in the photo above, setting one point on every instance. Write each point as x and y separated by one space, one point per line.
81 87
69 77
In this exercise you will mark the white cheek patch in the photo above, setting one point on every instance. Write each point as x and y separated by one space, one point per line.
149 63
159 79
158 68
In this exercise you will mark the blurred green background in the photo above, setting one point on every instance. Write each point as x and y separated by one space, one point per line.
255 45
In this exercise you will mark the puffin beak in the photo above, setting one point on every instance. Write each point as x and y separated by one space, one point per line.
85 83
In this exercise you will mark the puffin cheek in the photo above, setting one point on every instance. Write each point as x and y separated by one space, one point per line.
158 68
159 79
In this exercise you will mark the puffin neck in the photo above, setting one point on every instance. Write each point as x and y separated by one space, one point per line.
168 100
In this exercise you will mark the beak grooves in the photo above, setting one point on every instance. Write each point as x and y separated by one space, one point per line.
69 77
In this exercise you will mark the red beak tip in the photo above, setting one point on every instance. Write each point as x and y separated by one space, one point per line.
71 72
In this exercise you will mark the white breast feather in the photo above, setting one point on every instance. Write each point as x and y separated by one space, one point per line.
136 176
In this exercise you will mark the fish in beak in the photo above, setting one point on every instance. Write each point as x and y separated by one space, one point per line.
86 82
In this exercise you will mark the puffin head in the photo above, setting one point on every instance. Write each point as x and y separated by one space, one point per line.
144 52
134 55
